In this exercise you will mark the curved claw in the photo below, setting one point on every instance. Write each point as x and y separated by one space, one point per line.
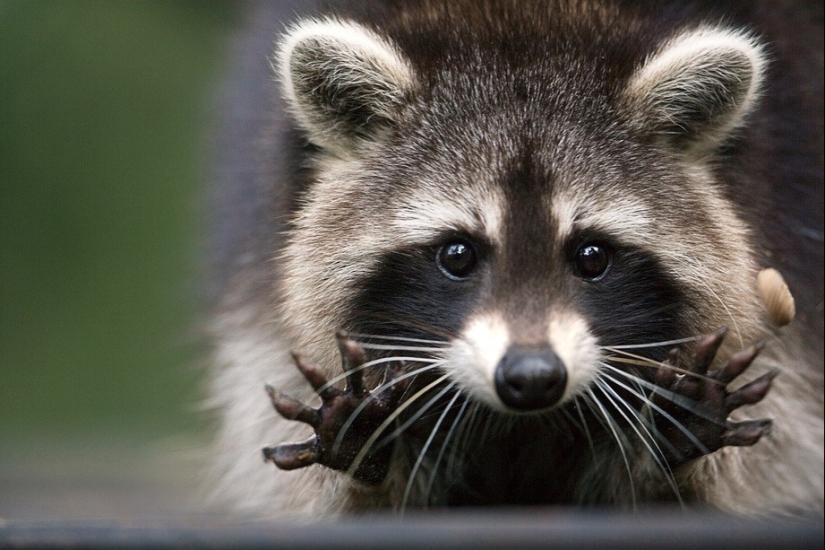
292 409
352 357
666 374
294 455
315 377
745 434
750 393
739 363
706 351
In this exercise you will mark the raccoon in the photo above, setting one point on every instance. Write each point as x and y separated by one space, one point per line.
492 252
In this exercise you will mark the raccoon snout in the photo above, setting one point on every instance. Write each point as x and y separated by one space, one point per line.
530 379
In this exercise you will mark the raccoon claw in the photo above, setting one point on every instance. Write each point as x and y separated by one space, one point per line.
296 455
345 421
745 434
691 409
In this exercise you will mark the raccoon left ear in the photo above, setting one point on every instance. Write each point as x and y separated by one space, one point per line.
344 82
698 88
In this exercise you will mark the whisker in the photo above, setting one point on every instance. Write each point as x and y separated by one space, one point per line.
725 307
584 425
426 447
418 414
611 424
374 363
639 360
684 402
681 427
656 344
569 416
401 348
444 445
389 420
373 393
646 438
464 435
361 337
647 402
393 323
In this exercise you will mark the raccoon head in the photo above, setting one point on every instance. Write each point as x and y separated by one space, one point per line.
515 218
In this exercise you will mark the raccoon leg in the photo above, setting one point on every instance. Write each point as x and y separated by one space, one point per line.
354 409
691 409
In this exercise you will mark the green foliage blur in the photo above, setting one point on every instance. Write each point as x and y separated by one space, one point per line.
103 109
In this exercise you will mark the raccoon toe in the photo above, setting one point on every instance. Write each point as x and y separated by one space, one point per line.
294 455
747 433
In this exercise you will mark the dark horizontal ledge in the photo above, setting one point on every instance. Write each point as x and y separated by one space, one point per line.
463 529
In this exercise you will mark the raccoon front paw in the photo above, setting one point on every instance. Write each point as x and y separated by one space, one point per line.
691 409
344 424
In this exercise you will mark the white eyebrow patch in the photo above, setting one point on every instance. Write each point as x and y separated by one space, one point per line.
424 217
629 220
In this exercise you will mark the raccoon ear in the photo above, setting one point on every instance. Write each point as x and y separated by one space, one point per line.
343 82
698 88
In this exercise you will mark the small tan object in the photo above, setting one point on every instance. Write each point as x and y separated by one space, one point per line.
778 298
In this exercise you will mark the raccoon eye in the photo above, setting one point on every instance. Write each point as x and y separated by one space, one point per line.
592 261
457 259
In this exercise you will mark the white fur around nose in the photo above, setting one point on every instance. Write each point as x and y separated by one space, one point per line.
474 356
572 341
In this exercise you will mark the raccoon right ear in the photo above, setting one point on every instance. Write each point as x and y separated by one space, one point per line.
698 87
343 82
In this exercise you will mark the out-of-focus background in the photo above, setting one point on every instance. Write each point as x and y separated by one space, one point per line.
104 109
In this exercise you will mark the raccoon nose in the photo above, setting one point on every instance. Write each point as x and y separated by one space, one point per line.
530 379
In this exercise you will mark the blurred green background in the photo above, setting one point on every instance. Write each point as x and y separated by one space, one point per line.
104 107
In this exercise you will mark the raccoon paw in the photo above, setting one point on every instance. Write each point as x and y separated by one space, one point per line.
691 410
344 424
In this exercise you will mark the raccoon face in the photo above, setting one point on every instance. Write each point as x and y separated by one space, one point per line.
517 220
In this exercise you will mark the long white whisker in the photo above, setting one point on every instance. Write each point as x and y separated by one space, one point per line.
647 362
418 414
425 448
463 436
395 339
375 362
658 409
646 438
373 394
725 307
611 424
685 402
656 344
389 420
577 403
444 445
401 348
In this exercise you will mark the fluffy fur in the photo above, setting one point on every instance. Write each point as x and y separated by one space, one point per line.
680 136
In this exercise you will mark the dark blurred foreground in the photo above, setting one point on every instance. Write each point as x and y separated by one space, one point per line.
512 529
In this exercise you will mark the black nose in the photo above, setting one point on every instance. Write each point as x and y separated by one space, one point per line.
529 379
